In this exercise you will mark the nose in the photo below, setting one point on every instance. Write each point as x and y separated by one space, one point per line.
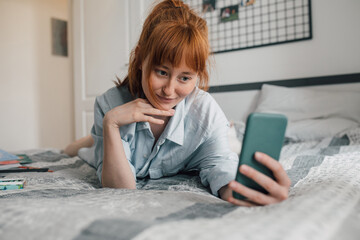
169 88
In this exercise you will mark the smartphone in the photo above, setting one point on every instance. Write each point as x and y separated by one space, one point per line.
264 133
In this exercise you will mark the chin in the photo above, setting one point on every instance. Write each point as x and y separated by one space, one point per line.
165 107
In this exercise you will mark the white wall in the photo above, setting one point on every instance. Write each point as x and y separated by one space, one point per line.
334 49
36 101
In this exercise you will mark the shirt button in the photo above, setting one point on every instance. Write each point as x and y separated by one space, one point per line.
145 155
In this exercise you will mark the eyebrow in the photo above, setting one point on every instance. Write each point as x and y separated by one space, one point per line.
187 73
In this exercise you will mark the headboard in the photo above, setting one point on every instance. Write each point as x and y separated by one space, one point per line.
238 100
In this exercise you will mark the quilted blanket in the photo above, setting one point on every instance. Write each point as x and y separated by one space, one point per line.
69 203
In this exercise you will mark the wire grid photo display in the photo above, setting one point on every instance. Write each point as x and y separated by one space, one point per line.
242 24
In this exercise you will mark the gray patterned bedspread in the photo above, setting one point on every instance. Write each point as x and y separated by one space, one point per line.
68 203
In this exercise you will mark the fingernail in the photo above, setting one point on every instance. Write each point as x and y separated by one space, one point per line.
244 168
172 111
257 155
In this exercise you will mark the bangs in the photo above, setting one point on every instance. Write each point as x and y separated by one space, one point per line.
176 42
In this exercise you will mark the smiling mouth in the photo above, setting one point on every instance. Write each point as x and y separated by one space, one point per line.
164 99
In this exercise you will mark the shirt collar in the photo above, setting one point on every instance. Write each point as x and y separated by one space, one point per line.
142 126
128 132
175 129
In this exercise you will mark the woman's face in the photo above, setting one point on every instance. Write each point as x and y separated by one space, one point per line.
170 84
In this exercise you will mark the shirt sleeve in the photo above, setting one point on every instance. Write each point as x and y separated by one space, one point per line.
97 134
216 162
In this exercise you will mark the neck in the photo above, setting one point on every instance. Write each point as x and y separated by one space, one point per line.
157 129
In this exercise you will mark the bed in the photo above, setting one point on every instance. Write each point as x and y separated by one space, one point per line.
322 162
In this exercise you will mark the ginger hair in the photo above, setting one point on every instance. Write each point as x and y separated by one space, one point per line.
171 31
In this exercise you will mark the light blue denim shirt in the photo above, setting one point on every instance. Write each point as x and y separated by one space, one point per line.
195 138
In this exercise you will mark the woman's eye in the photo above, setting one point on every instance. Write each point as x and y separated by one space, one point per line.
161 72
184 79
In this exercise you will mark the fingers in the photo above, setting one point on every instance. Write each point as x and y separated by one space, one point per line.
138 110
252 196
276 191
158 112
278 171
152 120
227 195
143 111
240 202
146 108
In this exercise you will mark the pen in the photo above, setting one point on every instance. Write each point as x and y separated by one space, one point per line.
41 169
25 169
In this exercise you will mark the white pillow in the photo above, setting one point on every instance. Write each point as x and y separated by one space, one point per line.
311 114
313 129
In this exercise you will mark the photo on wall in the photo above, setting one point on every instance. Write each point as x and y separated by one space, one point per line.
229 13
246 3
59 37
208 5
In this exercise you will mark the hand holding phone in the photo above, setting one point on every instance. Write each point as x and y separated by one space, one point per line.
264 133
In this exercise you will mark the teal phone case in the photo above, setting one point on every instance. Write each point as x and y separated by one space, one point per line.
264 133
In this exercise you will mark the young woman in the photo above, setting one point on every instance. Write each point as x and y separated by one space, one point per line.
160 121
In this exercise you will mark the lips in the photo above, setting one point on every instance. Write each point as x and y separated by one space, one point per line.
165 99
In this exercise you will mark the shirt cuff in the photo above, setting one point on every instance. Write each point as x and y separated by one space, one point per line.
219 181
